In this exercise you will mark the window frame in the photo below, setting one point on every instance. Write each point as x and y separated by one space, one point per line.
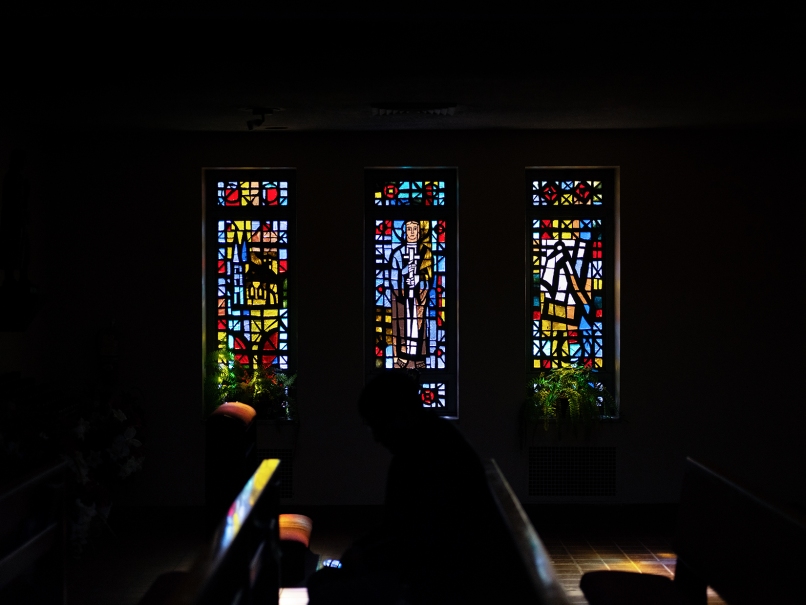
449 212
212 213
609 212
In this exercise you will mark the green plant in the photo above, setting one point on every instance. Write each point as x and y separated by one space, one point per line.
268 391
570 397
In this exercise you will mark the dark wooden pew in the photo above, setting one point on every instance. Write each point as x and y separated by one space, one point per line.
241 565
727 537
534 580
230 457
32 537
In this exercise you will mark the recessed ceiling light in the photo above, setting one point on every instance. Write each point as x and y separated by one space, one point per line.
400 108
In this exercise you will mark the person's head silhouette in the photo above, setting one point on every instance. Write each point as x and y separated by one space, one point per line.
390 405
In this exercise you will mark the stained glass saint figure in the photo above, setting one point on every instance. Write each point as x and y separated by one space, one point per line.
411 276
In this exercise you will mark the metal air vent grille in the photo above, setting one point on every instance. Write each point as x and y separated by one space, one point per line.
572 471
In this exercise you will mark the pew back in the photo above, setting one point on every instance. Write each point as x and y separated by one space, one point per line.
32 540
241 565
540 584
748 550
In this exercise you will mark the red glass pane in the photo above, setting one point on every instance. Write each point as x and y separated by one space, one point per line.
270 343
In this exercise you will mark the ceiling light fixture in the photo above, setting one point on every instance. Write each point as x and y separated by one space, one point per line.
260 114
398 108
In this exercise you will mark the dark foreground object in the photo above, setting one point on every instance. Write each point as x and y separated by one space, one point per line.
746 549
32 538
241 565
516 571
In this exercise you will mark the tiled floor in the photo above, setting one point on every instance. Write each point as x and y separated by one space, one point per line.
119 569
572 556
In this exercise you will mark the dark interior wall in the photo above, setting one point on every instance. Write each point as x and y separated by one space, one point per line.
712 267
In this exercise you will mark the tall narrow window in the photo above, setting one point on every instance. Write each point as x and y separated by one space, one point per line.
250 265
411 279
570 218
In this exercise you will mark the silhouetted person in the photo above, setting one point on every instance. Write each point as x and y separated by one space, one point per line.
439 516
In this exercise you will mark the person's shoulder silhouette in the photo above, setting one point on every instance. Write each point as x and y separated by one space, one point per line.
437 508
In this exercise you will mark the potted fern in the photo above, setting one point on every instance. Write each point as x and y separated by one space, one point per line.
569 397
267 390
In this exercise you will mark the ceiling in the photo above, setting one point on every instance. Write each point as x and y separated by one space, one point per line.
208 68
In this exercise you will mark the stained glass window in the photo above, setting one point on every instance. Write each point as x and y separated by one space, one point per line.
570 218
238 193
411 279
249 241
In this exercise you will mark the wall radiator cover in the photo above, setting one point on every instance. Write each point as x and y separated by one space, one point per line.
572 471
